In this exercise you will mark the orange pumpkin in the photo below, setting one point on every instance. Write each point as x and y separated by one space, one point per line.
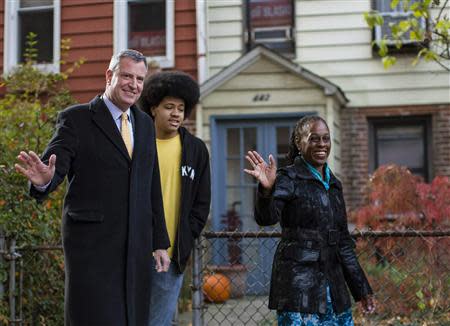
216 288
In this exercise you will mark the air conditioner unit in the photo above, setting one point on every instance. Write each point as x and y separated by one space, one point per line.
271 34
395 17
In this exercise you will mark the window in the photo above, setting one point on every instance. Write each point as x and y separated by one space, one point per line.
41 17
271 22
393 16
402 141
146 26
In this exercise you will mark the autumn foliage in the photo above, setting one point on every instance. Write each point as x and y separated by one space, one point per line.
409 274
396 199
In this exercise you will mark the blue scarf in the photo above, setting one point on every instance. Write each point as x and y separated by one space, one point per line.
318 175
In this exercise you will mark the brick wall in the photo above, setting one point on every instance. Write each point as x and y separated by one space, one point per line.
355 144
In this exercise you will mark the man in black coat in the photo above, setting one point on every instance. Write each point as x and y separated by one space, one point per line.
113 215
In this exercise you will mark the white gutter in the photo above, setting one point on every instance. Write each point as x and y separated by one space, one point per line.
201 59
201 40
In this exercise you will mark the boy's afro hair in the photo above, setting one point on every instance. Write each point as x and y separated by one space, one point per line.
169 83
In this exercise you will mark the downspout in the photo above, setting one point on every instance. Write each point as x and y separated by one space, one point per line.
201 59
329 117
201 40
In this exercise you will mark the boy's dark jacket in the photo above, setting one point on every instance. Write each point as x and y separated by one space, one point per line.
195 196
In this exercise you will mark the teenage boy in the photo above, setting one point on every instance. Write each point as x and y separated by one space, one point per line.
169 98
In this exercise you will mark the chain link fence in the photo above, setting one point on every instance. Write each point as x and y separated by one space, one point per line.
408 270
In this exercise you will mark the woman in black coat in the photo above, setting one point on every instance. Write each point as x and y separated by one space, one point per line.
315 259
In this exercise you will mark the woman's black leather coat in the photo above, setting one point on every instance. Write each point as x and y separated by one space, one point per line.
316 248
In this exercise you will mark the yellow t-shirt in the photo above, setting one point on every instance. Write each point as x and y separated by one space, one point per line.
169 157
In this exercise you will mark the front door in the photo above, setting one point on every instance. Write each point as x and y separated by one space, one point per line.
234 191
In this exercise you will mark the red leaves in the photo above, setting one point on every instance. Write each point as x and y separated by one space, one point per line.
396 198
435 199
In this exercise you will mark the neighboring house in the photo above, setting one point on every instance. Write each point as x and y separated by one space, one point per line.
164 30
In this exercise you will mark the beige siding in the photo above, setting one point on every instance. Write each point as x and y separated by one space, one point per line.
311 8
226 44
400 81
333 41
216 60
334 53
274 81
239 98
329 22
224 33
371 67
337 37
404 97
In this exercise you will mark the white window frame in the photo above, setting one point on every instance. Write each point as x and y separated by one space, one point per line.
11 38
121 32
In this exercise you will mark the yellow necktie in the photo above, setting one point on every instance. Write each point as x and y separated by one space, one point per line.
125 132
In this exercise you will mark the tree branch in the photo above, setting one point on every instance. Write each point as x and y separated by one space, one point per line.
442 10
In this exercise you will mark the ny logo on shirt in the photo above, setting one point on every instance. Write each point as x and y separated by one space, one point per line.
187 171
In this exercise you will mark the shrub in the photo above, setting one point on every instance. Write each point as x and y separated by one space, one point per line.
28 112
409 274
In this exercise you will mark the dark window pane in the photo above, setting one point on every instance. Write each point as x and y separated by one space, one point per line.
35 3
283 136
39 22
233 172
147 27
233 142
402 146
233 198
249 139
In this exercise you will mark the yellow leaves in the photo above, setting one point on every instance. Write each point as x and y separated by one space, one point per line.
394 4
388 61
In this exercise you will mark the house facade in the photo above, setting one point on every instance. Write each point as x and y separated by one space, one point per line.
164 30
400 115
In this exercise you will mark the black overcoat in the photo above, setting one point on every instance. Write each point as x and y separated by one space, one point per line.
316 249
112 218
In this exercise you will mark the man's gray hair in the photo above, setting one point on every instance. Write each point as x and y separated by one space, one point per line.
128 53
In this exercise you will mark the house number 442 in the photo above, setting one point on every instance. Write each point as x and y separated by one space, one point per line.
261 97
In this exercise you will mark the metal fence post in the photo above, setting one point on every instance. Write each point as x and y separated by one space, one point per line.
197 296
2 253
12 281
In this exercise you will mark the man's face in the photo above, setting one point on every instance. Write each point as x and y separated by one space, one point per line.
168 116
124 85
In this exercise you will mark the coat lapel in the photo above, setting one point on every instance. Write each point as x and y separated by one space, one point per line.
103 119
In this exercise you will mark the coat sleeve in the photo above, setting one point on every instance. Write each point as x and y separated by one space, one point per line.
268 209
160 236
202 201
63 144
354 275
